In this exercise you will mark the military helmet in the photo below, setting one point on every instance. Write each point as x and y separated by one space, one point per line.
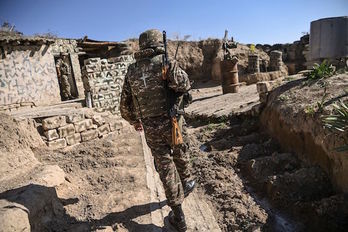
150 39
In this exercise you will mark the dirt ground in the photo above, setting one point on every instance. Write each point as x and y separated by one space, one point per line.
246 181
253 185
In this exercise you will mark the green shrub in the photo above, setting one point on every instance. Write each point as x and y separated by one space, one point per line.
338 121
323 70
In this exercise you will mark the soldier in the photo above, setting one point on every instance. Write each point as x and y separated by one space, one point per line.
144 100
63 71
227 45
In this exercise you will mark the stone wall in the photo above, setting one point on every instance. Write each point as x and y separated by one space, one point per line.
294 54
70 46
28 75
62 131
104 78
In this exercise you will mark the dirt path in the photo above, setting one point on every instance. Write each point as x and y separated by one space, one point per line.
199 216
111 184
208 100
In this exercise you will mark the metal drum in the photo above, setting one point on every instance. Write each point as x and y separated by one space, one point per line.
229 73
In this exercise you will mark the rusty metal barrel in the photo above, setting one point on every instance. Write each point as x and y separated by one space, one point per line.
229 73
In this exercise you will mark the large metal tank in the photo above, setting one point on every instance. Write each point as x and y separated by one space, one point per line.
329 38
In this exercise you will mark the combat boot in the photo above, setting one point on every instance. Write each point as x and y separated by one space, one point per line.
189 186
177 218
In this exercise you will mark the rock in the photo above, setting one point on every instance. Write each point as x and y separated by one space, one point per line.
13 217
55 144
83 125
103 130
74 118
36 205
53 122
89 135
73 139
66 130
51 134
50 176
98 119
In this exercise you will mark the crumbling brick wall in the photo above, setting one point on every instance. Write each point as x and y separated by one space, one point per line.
104 78
62 131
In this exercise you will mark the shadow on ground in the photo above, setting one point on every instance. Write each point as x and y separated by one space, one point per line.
44 211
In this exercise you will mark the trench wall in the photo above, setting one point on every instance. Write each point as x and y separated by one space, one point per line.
302 133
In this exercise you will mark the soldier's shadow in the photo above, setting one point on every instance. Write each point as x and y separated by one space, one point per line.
126 218
42 203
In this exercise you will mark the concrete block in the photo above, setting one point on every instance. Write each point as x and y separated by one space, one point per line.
73 139
83 125
98 120
89 124
124 58
51 134
66 130
104 61
103 130
89 135
58 143
263 87
94 126
121 65
92 61
53 122
92 68
116 125
74 118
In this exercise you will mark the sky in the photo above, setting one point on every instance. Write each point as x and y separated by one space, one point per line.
248 21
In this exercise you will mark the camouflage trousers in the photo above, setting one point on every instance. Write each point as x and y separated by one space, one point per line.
173 164
66 92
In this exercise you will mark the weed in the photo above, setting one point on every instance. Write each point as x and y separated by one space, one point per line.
310 110
338 121
283 97
212 126
324 70
289 78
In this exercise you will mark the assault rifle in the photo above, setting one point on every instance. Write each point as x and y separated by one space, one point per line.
171 97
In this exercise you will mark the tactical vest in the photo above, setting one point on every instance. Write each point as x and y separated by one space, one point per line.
145 80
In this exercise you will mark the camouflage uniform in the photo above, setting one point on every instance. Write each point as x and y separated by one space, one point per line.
144 98
64 70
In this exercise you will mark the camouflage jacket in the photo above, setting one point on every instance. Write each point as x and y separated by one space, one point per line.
143 93
63 67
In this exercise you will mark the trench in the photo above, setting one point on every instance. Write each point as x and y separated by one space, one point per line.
254 184
248 180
